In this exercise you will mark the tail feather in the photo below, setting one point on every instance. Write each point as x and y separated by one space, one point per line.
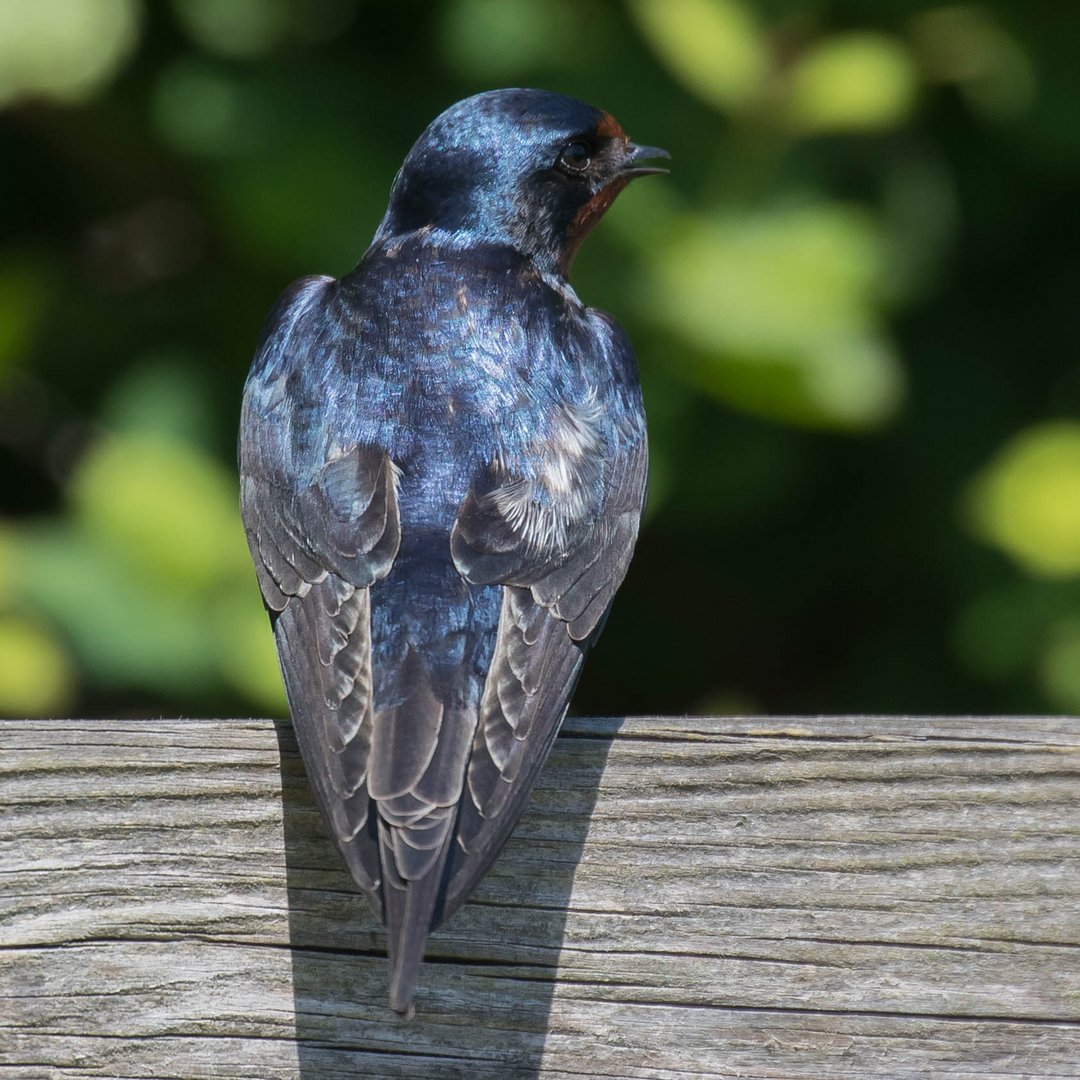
420 749
409 907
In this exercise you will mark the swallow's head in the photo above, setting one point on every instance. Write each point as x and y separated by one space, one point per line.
526 168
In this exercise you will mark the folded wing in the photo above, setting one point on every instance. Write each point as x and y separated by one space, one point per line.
560 546
322 524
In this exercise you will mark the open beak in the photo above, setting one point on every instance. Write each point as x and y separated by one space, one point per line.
635 153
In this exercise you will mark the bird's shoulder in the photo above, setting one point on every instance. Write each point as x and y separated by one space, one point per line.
288 319
419 297
474 339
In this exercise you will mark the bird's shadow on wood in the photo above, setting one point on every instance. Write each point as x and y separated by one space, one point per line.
487 983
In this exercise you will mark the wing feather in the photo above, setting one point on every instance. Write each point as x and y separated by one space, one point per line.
497 792
555 599
332 715
323 525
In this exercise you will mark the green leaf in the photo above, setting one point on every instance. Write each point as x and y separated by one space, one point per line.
1059 666
64 49
236 28
1026 501
166 507
246 655
780 308
851 82
24 291
126 630
713 47
36 677
494 40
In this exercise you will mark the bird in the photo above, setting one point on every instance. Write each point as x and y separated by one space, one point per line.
443 466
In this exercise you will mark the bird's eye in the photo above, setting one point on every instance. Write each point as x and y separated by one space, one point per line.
576 157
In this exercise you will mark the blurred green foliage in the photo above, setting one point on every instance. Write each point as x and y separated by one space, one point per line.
853 300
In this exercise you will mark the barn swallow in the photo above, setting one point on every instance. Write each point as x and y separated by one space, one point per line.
443 467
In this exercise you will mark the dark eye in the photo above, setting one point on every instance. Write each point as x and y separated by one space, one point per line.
576 157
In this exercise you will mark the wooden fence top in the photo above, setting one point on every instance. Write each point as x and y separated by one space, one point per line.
808 897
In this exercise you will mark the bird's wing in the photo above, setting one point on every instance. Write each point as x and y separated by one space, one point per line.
560 548
322 524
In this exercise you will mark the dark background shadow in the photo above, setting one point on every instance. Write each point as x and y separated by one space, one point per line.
857 334
486 986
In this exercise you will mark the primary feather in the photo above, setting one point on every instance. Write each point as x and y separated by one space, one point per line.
443 465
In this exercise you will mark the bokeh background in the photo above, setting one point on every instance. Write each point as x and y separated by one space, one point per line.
854 302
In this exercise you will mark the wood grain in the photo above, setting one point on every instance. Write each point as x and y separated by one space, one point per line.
758 897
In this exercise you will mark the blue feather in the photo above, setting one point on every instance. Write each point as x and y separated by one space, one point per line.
443 463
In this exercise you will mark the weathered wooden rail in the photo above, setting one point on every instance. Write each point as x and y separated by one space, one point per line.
812 898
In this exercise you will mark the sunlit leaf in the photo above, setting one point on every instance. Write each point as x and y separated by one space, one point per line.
781 309
161 395
246 654
36 678
166 507
125 629
762 281
63 49
713 47
851 82
1027 499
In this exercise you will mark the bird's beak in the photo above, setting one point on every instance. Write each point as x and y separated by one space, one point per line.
635 153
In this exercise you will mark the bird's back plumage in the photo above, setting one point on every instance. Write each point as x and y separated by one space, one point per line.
443 464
